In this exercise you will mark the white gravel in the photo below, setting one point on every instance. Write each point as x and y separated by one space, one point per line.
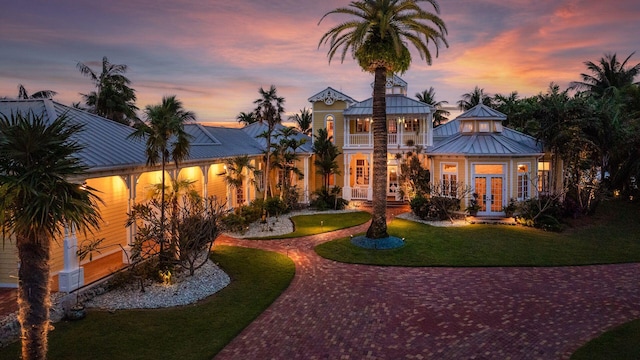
446 223
206 281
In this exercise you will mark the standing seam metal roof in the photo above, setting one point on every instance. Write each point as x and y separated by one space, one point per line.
396 105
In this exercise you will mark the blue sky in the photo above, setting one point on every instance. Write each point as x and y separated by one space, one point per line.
215 55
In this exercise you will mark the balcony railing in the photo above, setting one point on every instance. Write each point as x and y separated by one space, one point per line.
359 193
366 139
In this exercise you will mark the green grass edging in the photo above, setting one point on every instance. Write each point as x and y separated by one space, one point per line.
620 343
305 225
195 332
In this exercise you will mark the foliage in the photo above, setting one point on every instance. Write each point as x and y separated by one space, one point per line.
428 96
326 153
473 98
194 225
619 343
247 118
511 207
607 75
283 157
42 94
434 208
38 202
269 110
112 97
325 199
305 225
304 121
414 177
543 212
473 206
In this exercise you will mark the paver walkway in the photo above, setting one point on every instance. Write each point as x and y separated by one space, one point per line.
343 311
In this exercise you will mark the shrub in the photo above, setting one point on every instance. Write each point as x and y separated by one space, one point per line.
543 212
437 207
324 200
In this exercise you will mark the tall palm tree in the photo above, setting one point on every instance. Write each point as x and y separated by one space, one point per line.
39 201
113 98
269 110
42 94
473 98
326 153
304 120
377 37
165 139
234 175
608 74
246 118
429 97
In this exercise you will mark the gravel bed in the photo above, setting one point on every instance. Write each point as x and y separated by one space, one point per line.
446 223
206 281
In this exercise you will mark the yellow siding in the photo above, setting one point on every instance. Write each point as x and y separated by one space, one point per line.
146 181
194 174
9 263
217 186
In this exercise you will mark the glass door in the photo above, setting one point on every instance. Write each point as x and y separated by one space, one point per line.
489 190
392 180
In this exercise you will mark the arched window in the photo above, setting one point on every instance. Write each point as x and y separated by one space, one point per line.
329 124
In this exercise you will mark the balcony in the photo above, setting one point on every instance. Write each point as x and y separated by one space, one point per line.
365 140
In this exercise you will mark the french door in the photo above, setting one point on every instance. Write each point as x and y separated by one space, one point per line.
392 180
489 189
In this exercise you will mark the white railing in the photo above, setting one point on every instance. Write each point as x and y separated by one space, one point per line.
392 139
415 138
359 193
359 140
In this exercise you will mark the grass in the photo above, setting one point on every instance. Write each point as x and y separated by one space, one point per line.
621 343
305 225
191 332
609 237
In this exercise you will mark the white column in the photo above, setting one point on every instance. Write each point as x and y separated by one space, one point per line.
72 275
305 195
370 186
205 180
346 189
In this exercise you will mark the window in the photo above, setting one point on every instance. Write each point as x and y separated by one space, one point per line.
362 125
543 177
239 195
411 125
523 181
449 180
392 127
330 123
483 126
467 127
362 172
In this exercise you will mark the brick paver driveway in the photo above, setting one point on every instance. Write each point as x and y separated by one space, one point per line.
343 311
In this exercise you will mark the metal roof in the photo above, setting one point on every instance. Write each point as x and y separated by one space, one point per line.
396 105
105 142
213 142
482 112
257 128
507 143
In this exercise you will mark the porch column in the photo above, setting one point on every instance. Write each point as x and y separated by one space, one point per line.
72 275
305 194
346 189
205 180
131 182
370 185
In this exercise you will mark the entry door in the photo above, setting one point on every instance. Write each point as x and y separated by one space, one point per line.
489 189
392 180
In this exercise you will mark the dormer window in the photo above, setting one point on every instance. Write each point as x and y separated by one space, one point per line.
498 127
467 127
483 126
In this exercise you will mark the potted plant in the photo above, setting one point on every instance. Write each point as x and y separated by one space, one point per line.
510 208
473 206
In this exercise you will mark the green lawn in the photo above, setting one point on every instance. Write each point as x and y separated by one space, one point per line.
305 225
612 236
620 343
191 332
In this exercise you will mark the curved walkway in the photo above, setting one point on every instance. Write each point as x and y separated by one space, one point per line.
333 310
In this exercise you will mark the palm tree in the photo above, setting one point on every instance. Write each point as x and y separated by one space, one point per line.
326 153
42 94
606 75
246 118
429 97
39 201
473 98
165 139
113 98
234 175
303 120
377 38
269 110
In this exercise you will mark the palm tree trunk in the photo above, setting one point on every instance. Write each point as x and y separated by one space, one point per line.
162 255
33 295
378 227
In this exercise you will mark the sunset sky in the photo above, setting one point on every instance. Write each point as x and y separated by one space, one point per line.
215 55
